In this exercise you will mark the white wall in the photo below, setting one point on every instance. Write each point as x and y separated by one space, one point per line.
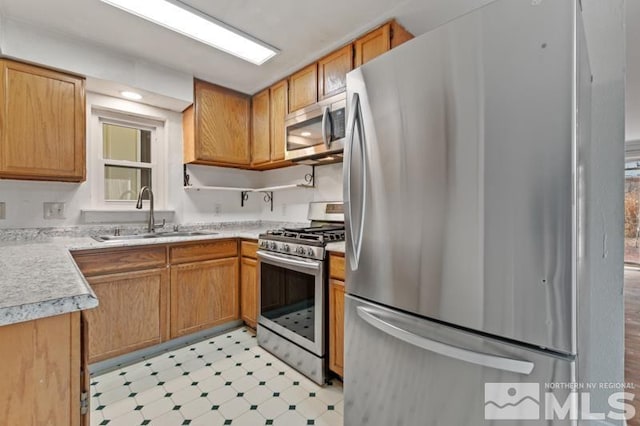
30 43
601 330
24 200
292 205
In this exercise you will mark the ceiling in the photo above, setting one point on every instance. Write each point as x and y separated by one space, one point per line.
302 30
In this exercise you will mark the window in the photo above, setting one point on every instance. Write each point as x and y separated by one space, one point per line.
127 161
128 155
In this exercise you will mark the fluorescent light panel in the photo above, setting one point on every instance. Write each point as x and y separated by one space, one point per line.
187 21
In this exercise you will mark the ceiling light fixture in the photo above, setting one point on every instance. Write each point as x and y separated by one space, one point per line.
192 23
305 134
131 95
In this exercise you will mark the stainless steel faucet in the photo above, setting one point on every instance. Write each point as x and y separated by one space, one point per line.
152 223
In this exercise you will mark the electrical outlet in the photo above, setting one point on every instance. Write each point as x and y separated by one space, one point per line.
3 210
217 209
53 210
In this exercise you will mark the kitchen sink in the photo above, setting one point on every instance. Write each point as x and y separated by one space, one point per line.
168 234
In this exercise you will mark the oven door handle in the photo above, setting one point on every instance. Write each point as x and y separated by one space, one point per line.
314 266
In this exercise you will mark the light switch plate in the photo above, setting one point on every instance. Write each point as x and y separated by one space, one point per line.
3 210
53 210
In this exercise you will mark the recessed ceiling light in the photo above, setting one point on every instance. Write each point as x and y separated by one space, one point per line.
305 134
192 23
131 95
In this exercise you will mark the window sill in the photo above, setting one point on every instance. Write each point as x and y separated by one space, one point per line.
124 216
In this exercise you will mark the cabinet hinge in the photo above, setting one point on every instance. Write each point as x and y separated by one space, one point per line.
84 403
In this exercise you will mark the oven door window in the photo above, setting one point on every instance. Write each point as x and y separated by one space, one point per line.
287 298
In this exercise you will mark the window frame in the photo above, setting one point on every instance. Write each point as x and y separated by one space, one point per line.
158 148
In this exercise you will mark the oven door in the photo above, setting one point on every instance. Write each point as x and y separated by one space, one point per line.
292 299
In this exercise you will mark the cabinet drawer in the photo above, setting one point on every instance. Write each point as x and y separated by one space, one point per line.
249 249
207 250
99 262
336 266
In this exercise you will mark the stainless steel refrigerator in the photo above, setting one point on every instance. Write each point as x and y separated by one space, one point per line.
463 188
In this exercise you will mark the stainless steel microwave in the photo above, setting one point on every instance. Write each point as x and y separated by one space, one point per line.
317 131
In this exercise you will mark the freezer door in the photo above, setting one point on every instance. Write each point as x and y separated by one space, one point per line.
460 174
401 370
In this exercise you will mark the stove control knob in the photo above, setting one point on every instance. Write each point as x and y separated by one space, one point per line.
263 244
310 252
286 248
300 250
273 246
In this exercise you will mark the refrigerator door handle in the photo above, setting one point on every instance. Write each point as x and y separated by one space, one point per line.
355 116
473 357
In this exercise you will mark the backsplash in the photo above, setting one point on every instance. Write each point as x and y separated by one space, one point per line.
45 233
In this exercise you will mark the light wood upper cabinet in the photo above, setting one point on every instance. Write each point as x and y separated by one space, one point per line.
303 88
132 313
379 41
40 366
332 72
203 295
260 128
42 123
279 100
216 127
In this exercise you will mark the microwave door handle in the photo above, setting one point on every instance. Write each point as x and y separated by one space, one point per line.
472 357
326 119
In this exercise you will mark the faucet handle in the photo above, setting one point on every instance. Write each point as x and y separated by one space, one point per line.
176 228
161 225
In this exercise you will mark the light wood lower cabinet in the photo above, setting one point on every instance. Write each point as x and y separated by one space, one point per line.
150 294
40 366
131 315
249 283
203 295
336 326
249 291
336 313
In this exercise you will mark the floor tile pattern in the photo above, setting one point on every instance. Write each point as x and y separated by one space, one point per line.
225 380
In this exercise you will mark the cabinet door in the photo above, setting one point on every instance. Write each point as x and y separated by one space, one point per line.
332 72
279 94
373 45
303 88
260 129
203 295
249 291
40 370
42 124
336 327
222 125
132 313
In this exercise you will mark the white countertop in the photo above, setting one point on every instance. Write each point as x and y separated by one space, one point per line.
39 278
336 247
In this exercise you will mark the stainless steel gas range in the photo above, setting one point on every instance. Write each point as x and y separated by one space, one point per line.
293 289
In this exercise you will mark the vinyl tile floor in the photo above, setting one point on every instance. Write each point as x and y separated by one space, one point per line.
224 380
